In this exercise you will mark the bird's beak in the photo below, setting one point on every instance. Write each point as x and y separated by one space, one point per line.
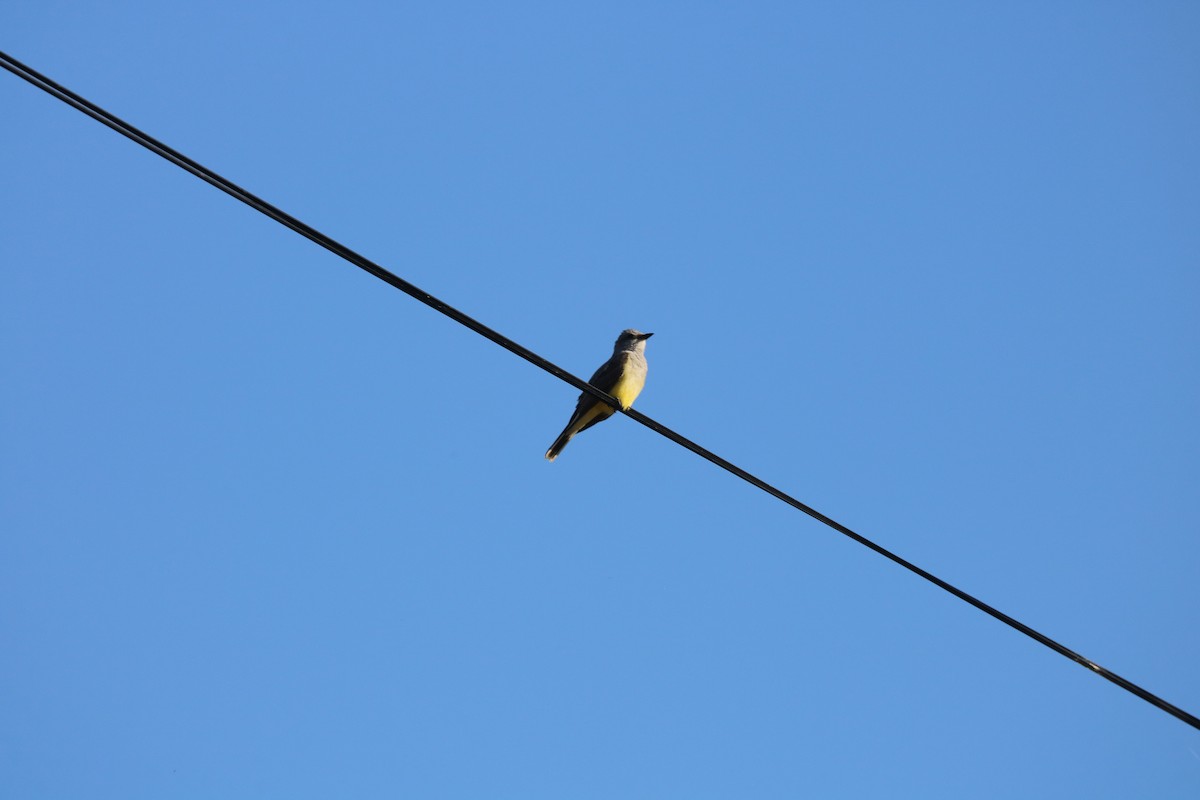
646 336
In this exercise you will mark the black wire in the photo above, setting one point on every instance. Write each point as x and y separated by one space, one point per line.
205 174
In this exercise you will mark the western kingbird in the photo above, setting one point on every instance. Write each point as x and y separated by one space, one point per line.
622 376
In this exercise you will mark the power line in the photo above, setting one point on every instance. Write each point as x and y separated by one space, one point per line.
282 217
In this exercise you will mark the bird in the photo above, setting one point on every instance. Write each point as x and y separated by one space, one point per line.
622 376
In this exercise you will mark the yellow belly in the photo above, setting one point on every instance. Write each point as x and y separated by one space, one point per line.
628 387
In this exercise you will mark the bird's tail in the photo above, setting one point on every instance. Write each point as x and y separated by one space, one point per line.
581 420
559 443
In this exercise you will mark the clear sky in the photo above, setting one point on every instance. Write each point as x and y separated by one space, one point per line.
273 529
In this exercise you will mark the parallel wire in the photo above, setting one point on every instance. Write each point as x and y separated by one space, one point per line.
282 217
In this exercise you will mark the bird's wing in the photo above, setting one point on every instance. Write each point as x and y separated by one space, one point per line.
604 379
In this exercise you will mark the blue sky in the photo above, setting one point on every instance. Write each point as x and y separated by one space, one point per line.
273 529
